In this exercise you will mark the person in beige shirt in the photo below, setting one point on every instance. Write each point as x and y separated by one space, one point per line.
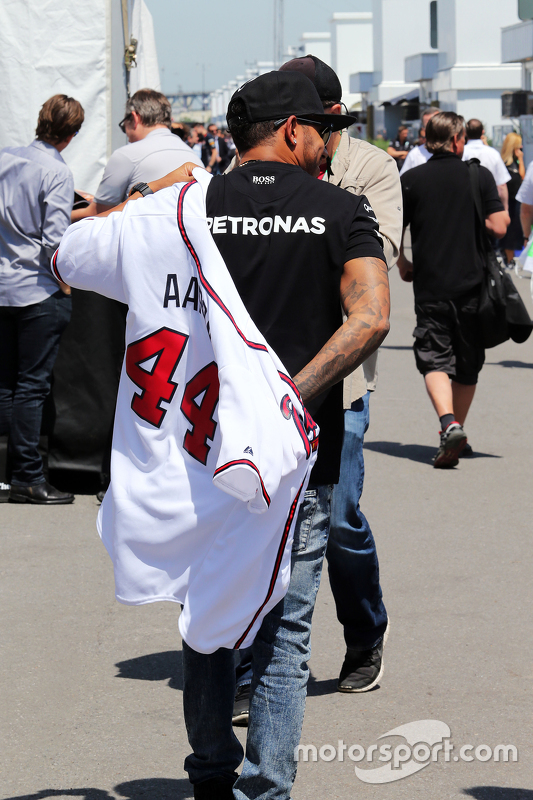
360 168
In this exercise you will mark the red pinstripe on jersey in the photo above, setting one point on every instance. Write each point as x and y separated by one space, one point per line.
276 569
207 286
54 267
248 464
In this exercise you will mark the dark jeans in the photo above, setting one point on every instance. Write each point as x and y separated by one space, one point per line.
352 557
29 341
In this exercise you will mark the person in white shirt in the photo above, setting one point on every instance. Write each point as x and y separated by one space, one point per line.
488 157
524 196
153 151
420 154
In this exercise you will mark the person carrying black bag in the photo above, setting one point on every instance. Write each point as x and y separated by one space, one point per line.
501 314
448 273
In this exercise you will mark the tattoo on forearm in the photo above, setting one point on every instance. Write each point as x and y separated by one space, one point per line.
366 302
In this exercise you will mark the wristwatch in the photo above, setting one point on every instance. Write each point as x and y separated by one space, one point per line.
141 187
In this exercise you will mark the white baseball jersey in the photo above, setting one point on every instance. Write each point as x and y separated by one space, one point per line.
212 447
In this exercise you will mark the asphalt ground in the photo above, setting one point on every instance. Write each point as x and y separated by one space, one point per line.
91 690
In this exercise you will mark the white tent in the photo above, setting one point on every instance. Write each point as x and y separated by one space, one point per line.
50 47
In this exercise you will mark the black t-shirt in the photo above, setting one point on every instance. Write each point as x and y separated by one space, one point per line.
285 238
397 145
438 204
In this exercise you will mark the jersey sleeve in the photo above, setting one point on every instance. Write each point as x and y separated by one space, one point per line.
364 239
88 257
489 192
115 181
259 444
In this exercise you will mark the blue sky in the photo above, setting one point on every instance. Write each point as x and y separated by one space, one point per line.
224 34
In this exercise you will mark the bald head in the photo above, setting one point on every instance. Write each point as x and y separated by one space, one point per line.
474 129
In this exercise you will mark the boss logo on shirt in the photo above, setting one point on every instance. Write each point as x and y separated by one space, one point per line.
266 225
263 179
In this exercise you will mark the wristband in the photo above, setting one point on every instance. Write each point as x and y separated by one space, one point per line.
141 187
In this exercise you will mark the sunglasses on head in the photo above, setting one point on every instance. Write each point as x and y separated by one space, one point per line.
325 130
122 123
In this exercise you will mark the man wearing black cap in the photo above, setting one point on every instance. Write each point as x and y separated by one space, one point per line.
360 168
297 250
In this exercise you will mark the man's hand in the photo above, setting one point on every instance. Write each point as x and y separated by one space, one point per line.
366 301
181 175
405 268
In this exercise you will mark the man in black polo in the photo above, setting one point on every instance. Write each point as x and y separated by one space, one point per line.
447 272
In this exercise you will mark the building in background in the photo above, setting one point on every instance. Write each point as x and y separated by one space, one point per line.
395 58
352 48
517 47
471 77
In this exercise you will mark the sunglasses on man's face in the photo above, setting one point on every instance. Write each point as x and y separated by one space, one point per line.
122 123
324 130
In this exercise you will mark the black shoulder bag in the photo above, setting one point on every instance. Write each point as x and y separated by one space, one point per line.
502 314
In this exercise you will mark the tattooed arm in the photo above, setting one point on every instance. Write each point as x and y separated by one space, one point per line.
365 299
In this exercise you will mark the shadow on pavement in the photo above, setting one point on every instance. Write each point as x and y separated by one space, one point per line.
498 793
146 789
154 667
415 452
318 688
516 364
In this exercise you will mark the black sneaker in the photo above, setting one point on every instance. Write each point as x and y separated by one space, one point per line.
214 789
452 442
241 706
466 452
362 670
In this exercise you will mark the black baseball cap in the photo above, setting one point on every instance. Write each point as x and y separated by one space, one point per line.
321 74
276 95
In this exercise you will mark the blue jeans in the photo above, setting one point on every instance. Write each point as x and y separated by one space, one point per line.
352 558
280 651
29 341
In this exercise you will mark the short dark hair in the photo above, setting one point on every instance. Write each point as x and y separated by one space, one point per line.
152 107
247 134
59 118
474 129
441 129
331 103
